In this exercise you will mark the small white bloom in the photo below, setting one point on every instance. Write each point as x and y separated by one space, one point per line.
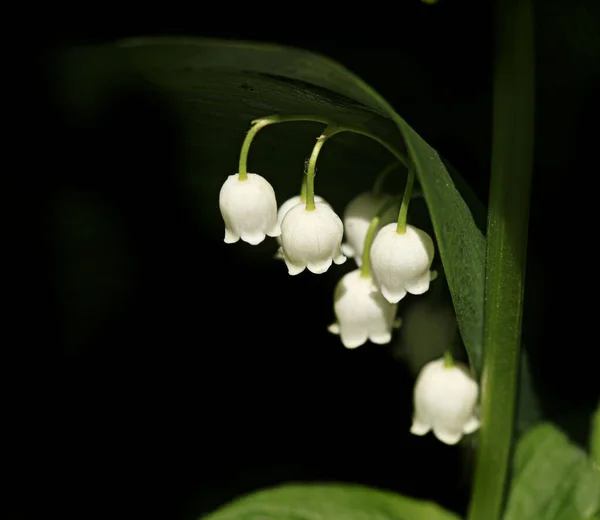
311 239
400 263
357 219
249 209
361 311
282 212
445 399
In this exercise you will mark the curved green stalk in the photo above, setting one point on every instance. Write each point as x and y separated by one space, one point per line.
274 119
242 169
508 213
365 270
330 131
403 213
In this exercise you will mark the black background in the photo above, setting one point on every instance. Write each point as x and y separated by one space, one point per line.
177 398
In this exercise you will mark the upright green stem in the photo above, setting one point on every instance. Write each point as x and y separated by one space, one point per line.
508 213
378 184
403 213
303 189
312 165
365 270
448 359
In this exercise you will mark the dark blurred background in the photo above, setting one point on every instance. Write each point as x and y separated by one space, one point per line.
155 370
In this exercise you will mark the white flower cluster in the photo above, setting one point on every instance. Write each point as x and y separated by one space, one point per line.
365 306
398 262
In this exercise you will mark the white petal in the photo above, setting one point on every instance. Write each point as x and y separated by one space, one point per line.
275 231
334 328
249 208
419 427
471 425
419 285
319 267
353 337
230 238
392 296
253 238
294 269
339 258
349 252
447 436
380 338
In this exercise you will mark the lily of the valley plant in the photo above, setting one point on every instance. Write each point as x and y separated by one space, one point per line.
393 259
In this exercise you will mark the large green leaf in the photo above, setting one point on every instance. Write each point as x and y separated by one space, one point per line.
218 87
595 437
329 502
553 479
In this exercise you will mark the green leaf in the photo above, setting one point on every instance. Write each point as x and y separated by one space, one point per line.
218 87
595 437
553 479
329 502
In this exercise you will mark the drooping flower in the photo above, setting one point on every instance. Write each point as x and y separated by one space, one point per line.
249 209
445 398
282 212
311 239
362 313
401 263
357 217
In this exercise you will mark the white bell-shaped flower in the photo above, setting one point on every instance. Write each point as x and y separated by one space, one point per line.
401 263
282 212
311 239
361 311
357 218
288 205
445 400
249 209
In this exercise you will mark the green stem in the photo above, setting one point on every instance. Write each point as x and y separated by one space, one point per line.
448 359
378 184
243 168
508 214
332 128
303 189
273 119
403 213
365 271
312 165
